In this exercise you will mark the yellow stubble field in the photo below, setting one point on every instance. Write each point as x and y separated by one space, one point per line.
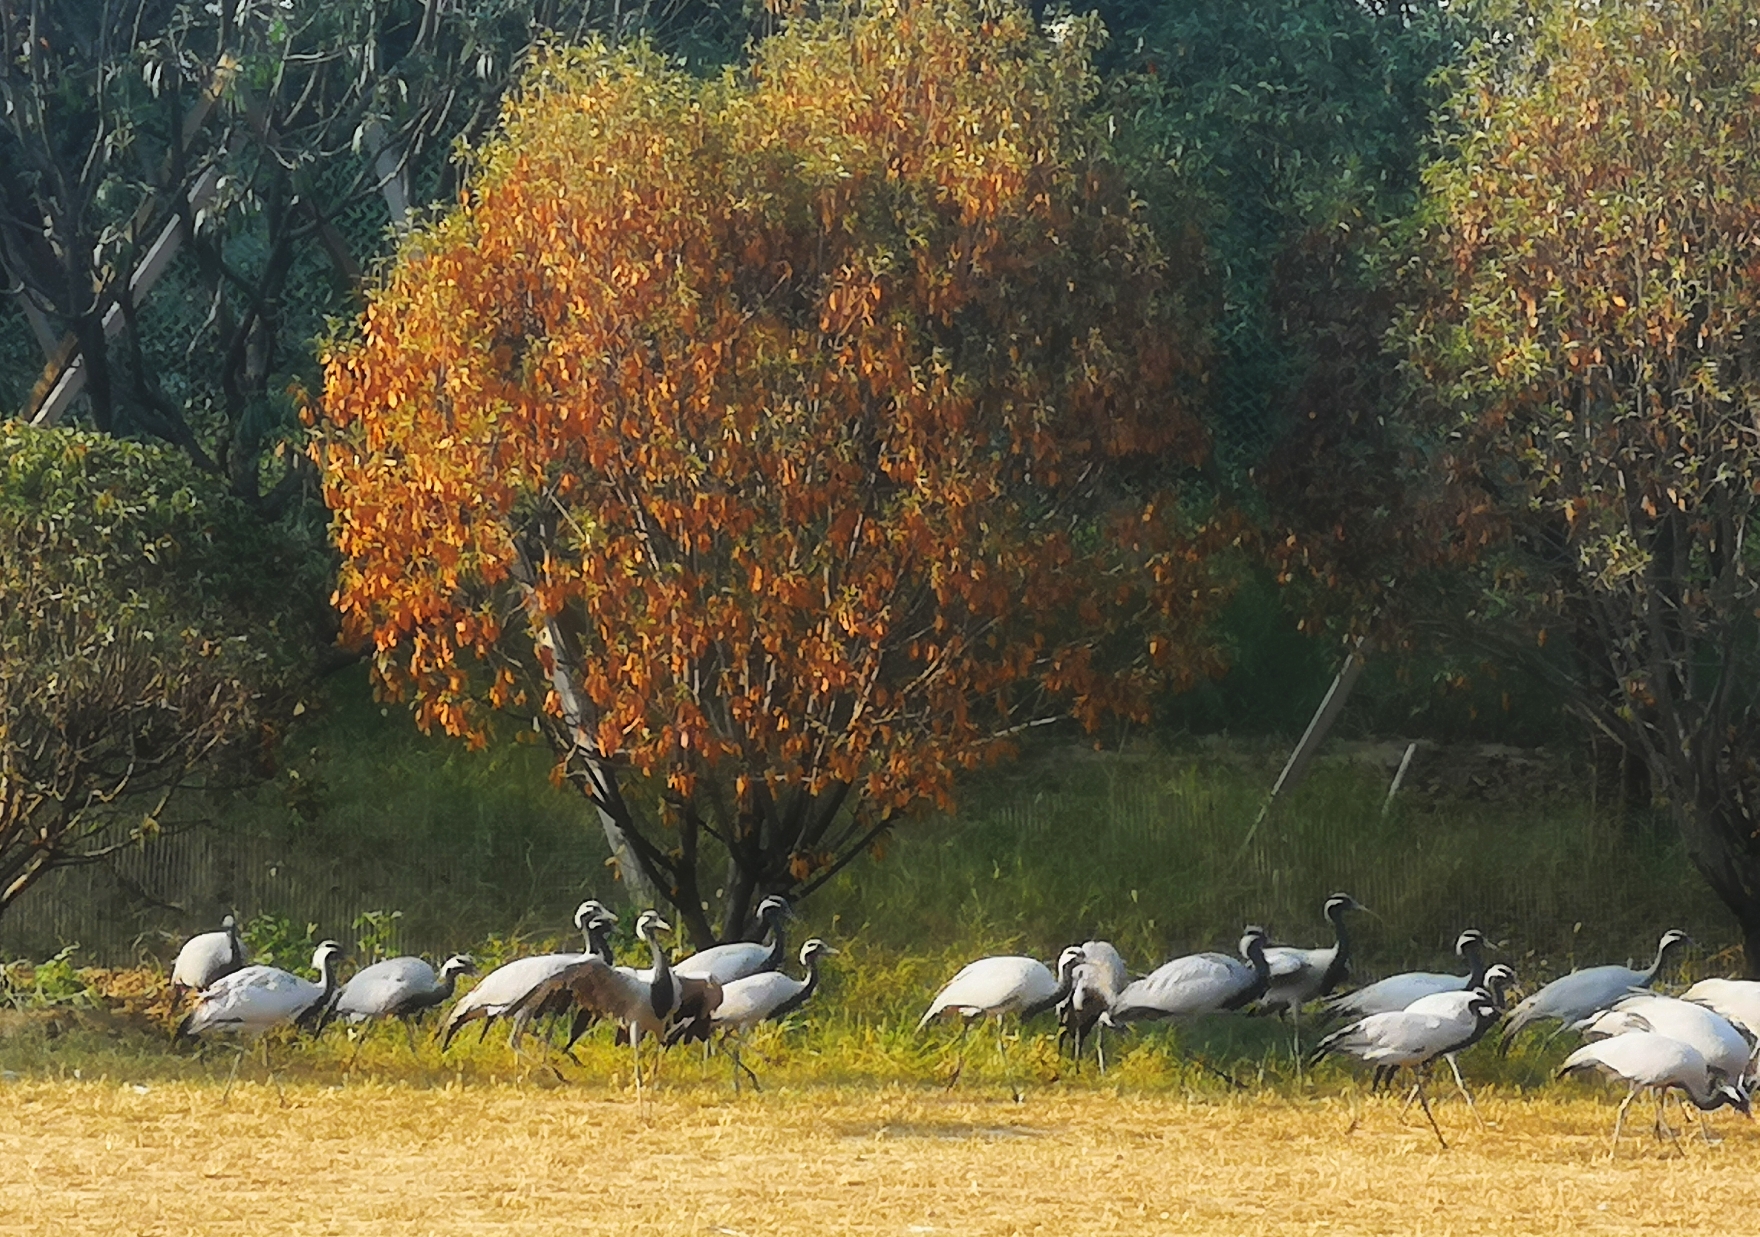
394 1159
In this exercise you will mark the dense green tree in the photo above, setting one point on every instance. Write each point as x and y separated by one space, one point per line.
144 630
1590 341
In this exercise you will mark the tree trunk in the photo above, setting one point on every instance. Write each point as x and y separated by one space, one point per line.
1720 837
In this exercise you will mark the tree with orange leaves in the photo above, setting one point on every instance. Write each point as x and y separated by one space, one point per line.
779 444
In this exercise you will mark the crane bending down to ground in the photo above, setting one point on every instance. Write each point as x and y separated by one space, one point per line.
1574 997
765 997
1414 1039
1094 987
259 998
506 988
1648 1061
645 1007
401 988
1385 996
206 958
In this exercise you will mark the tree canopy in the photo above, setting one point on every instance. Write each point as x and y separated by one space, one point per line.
780 443
1590 343
141 644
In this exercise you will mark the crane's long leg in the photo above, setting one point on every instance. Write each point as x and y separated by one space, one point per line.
232 1075
1662 1125
409 1029
1424 1103
1100 1047
965 1028
1455 1067
1620 1118
360 1041
635 1045
732 1047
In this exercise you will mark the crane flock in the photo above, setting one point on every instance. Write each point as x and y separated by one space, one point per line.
1701 1045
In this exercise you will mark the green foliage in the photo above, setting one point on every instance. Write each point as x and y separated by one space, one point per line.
275 940
144 632
377 934
46 985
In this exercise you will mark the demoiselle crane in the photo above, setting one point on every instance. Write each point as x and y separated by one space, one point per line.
206 958
1648 1061
767 996
401 988
738 959
259 998
1414 1039
1736 999
1398 991
997 987
643 1006
1299 976
1574 997
1498 979
507 986
1726 1051
1094 987
1203 983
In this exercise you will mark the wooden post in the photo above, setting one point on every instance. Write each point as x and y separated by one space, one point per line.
1296 767
1405 762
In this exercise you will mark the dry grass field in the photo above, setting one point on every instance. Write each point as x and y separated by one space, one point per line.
394 1159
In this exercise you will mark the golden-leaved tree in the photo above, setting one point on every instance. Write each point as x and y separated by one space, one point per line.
782 443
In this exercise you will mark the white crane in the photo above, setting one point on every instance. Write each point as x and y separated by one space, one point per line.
1094 987
765 997
401 988
258 998
1736 999
1648 1061
1712 1035
998 986
1196 984
1498 979
643 1006
1398 991
1302 975
738 959
206 958
1574 997
1414 1039
507 987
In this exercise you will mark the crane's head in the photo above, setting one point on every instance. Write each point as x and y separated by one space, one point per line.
1672 939
1482 1007
649 923
1339 903
1468 941
774 907
1498 980
325 955
1068 961
1735 1097
815 949
1253 941
229 924
458 964
591 913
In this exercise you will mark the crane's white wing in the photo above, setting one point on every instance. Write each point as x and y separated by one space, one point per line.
747 1002
725 963
1107 973
1285 961
253 999
1573 997
1401 1037
1643 1057
1709 1033
1194 984
994 986
1736 999
507 985
1394 993
377 989
1444 1004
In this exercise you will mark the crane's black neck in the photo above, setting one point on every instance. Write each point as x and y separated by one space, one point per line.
779 946
599 941
235 956
800 997
315 1014
661 993
1475 963
1261 973
1340 966
1066 978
